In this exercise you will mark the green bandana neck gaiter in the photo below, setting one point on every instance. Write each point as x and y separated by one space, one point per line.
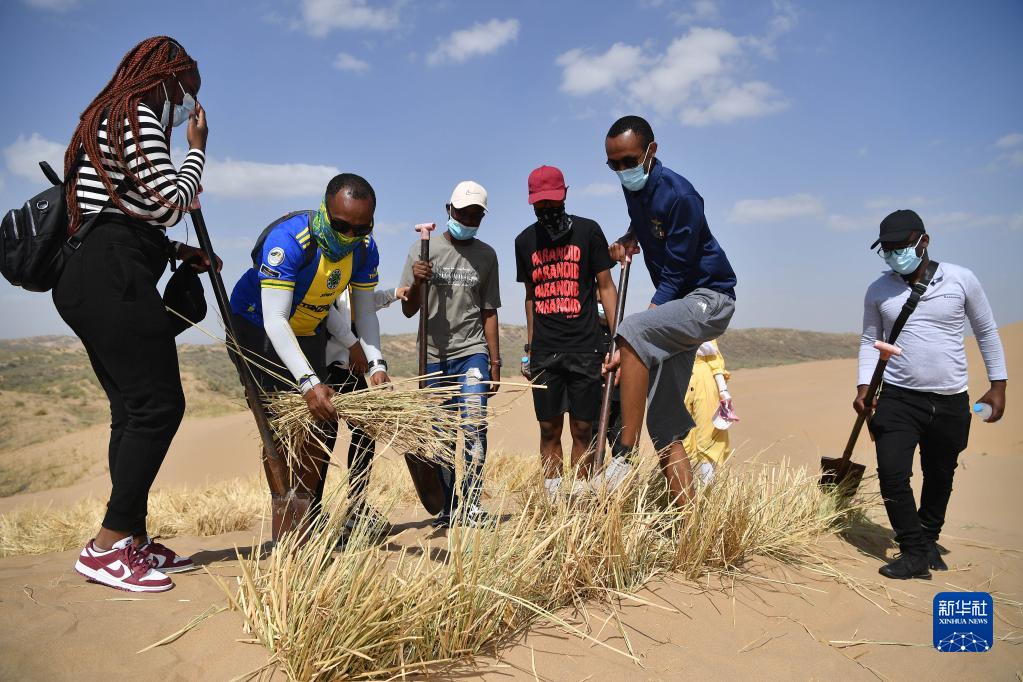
334 245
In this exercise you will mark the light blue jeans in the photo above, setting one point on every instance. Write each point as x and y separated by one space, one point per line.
472 402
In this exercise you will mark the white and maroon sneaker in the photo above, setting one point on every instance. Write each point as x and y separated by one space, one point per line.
122 567
163 559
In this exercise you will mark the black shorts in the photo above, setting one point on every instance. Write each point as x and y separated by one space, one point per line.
257 348
572 381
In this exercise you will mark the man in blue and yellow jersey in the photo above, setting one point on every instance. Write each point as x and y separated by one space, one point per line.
283 309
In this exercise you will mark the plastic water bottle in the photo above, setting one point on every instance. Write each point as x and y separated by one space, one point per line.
525 365
983 410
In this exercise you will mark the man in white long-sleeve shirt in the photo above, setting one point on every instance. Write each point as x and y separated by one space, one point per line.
347 366
283 308
923 401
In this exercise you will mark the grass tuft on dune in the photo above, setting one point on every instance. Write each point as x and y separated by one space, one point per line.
371 611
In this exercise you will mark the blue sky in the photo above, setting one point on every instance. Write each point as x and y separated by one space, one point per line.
801 124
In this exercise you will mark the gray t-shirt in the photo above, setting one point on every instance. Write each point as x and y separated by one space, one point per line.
464 284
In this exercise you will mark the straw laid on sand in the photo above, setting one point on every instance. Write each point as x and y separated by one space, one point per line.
371 612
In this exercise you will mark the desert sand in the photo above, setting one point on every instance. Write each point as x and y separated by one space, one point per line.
781 624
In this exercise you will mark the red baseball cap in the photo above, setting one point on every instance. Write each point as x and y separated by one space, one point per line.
547 182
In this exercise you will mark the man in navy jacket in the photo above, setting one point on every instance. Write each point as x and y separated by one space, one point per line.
693 302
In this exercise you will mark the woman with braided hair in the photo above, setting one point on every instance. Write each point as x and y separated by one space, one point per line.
118 165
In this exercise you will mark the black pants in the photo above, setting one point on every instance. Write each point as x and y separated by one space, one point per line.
940 425
362 447
107 294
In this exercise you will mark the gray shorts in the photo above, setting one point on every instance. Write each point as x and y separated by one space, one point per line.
666 339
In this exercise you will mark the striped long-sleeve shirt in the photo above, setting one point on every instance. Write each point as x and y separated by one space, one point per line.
177 186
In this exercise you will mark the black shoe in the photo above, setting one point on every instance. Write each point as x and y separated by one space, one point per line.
906 566
442 520
934 560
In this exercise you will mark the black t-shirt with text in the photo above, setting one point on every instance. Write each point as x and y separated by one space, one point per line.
563 276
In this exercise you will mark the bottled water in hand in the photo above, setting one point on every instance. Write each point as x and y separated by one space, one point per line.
983 410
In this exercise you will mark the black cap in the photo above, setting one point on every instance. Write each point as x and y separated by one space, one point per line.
898 226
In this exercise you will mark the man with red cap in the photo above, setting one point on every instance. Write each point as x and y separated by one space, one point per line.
563 260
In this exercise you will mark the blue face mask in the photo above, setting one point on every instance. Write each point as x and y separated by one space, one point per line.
903 261
181 111
460 231
634 179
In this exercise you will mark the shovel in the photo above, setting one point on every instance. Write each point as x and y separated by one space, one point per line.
609 383
841 473
425 474
288 506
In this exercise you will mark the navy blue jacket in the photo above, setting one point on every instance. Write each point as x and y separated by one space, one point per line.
680 252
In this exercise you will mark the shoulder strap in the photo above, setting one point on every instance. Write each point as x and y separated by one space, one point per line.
75 240
914 298
257 250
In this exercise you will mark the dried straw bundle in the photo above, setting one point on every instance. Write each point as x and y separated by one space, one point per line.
400 415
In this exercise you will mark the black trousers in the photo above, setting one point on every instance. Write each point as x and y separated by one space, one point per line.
107 294
362 447
940 426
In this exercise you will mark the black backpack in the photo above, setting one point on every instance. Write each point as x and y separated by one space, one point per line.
33 239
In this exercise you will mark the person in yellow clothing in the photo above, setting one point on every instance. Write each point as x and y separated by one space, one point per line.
710 405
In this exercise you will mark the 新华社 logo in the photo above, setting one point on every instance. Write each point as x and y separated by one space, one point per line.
963 621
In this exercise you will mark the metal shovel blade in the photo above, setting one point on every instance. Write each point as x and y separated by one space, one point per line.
841 475
426 480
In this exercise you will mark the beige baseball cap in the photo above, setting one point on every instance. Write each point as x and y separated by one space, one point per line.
468 193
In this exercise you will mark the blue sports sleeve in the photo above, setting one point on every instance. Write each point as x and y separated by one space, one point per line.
366 276
282 258
683 222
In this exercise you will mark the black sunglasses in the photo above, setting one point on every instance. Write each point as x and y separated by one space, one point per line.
343 226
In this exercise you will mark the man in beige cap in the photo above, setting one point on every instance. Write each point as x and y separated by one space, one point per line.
462 343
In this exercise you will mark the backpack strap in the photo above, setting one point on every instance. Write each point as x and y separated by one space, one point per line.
75 241
257 250
914 298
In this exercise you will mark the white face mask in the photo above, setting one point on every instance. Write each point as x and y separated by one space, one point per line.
181 111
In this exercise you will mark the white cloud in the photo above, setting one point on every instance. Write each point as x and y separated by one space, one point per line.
1010 140
257 180
965 220
698 10
52 5
584 74
776 209
24 154
701 78
600 189
320 17
845 223
477 40
347 62
890 204
748 100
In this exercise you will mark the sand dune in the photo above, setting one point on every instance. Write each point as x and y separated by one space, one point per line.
759 629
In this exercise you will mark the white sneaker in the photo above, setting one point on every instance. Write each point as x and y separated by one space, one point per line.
122 567
553 487
614 473
705 473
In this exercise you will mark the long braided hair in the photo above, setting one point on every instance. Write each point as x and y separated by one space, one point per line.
143 68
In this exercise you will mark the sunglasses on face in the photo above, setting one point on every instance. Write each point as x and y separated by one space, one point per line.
885 252
345 227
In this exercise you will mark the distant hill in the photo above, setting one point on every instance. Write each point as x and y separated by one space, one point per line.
741 348
47 387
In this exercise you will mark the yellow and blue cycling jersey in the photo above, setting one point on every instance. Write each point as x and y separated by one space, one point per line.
289 259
